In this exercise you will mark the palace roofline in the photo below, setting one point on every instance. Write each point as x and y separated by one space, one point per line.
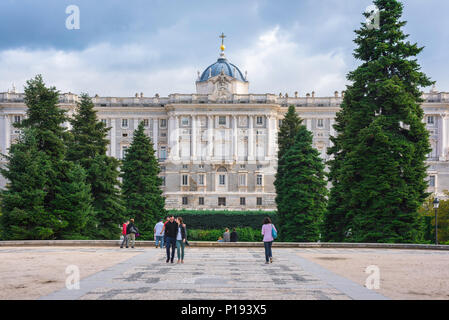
176 98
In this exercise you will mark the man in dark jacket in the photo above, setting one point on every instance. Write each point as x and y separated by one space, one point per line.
171 231
234 236
131 230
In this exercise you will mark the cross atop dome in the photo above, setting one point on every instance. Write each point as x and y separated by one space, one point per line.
222 47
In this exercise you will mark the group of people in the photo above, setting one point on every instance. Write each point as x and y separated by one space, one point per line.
129 232
173 234
229 236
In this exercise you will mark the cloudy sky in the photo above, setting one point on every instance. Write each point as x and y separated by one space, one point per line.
157 46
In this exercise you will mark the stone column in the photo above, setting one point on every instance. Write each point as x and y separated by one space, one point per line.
136 123
7 135
270 139
113 138
251 138
309 124
193 138
156 136
176 136
234 138
210 137
443 136
171 136
331 131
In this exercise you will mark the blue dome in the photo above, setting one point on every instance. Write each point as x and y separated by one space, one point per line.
222 64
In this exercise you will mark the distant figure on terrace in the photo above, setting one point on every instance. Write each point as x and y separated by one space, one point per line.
234 236
227 236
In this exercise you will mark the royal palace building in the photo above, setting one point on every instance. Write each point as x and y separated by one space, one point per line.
217 147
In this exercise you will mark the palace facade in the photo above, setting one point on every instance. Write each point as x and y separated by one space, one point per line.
217 147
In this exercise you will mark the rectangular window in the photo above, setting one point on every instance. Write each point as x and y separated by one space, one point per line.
163 181
280 123
320 123
259 201
242 201
104 121
163 153
259 120
124 151
185 201
163 134
184 121
259 180
222 179
242 180
222 202
145 122
221 120
201 201
242 166
163 123
201 179
432 181
17 119
185 180
125 123
185 166
201 166
430 120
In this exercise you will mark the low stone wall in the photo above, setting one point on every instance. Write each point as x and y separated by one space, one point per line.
116 243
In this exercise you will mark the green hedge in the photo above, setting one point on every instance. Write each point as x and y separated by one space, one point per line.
206 220
244 234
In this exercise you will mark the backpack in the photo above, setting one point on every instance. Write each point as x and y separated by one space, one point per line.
274 233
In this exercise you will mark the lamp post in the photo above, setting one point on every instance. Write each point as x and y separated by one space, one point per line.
436 203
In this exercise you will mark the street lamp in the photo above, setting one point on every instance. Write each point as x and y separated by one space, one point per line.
436 203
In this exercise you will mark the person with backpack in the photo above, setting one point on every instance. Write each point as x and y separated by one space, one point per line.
131 230
269 233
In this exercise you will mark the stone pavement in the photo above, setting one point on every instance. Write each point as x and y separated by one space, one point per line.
217 273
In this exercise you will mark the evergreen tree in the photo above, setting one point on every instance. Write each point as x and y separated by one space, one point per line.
141 184
51 217
378 172
288 130
88 147
73 202
24 212
301 194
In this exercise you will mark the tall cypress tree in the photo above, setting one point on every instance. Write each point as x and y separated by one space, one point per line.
301 194
88 147
378 172
141 183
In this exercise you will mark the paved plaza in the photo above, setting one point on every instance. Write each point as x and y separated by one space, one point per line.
222 273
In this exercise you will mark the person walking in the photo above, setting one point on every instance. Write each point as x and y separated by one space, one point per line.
125 235
234 236
131 230
171 231
181 239
227 236
167 218
267 232
159 234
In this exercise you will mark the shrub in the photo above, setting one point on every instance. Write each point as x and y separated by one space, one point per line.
207 219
